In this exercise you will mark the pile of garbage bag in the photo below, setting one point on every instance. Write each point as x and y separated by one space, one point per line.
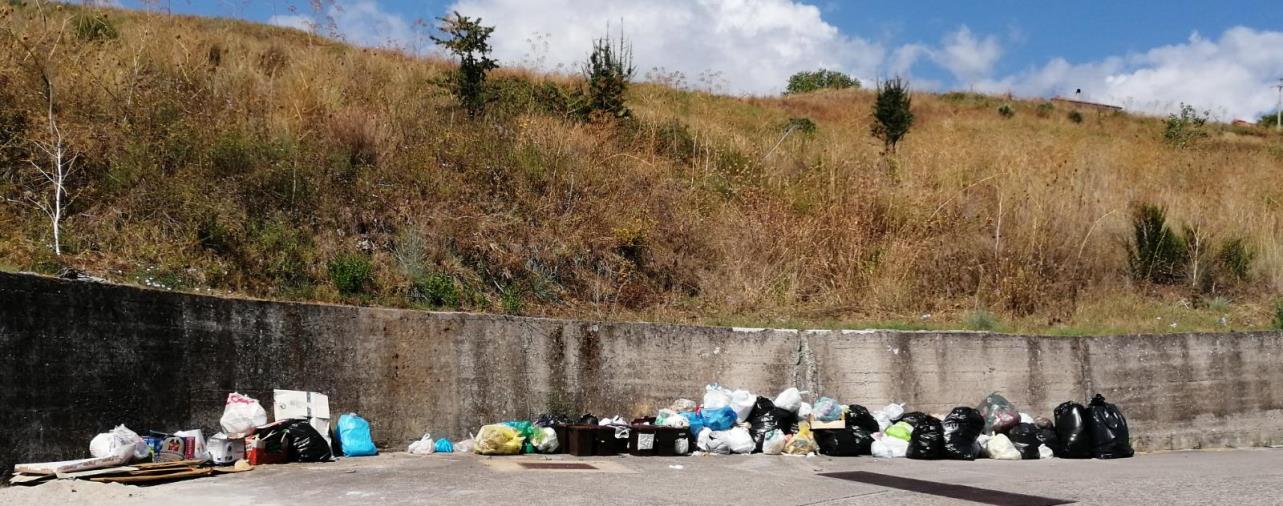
736 421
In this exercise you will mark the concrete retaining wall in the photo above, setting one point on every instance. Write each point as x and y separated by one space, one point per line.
81 357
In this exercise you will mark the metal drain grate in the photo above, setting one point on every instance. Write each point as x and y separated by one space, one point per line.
980 495
559 466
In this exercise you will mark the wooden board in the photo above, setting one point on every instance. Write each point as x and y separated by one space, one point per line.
166 465
29 479
149 478
69 466
96 472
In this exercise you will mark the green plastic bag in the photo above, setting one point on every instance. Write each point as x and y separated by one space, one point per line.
900 430
527 431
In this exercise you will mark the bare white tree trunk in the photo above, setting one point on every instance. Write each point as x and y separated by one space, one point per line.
60 167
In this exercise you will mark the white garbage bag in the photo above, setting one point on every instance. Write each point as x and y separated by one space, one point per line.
790 400
710 442
1025 418
241 415
119 442
423 446
677 421
887 414
888 447
549 442
804 411
1000 448
742 402
716 397
773 443
739 440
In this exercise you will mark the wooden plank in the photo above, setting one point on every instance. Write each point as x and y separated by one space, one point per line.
29 479
151 478
163 465
70 466
96 472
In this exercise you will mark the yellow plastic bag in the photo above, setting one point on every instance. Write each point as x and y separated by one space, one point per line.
803 443
498 439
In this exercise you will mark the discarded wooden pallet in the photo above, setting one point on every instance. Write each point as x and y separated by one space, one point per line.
156 475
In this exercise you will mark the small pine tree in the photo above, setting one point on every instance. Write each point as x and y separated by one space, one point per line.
607 72
892 112
467 39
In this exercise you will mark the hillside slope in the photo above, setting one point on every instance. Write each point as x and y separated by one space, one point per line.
232 157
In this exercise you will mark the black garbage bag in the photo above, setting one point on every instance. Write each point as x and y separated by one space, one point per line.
551 420
787 420
912 418
761 420
1072 432
859 416
927 440
1047 436
847 442
1109 434
961 429
1024 436
305 444
588 419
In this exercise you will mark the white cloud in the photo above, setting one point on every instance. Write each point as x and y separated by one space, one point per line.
755 45
361 22
968 58
1230 76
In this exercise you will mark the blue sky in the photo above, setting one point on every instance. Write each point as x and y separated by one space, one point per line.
1145 55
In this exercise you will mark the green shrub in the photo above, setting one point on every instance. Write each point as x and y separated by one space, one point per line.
1235 259
510 299
892 113
94 28
806 82
981 319
1006 111
675 139
1269 120
1045 109
1075 116
1181 129
1158 254
350 273
802 125
435 290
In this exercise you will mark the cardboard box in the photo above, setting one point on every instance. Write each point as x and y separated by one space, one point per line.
176 448
225 451
313 407
840 423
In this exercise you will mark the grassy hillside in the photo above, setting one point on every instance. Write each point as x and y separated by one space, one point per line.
218 155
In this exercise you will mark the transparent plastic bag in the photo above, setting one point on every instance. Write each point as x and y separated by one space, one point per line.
803 443
716 397
739 440
790 400
888 447
827 410
1000 448
498 439
774 442
119 442
548 442
423 446
742 402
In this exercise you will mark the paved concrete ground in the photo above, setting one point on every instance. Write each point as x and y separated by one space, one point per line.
1206 477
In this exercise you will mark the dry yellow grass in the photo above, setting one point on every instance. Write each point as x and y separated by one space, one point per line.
243 158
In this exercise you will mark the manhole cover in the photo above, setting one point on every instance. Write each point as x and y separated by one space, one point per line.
564 466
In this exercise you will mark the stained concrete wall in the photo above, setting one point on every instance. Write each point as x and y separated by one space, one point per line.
81 357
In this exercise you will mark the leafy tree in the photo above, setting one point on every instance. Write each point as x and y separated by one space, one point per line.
467 39
608 71
892 112
805 82
1269 120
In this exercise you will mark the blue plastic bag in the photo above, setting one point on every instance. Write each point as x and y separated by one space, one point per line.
354 436
444 446
827 410
719 419
696 422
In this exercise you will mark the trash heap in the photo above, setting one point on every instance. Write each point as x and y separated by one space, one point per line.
739 422
300 432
